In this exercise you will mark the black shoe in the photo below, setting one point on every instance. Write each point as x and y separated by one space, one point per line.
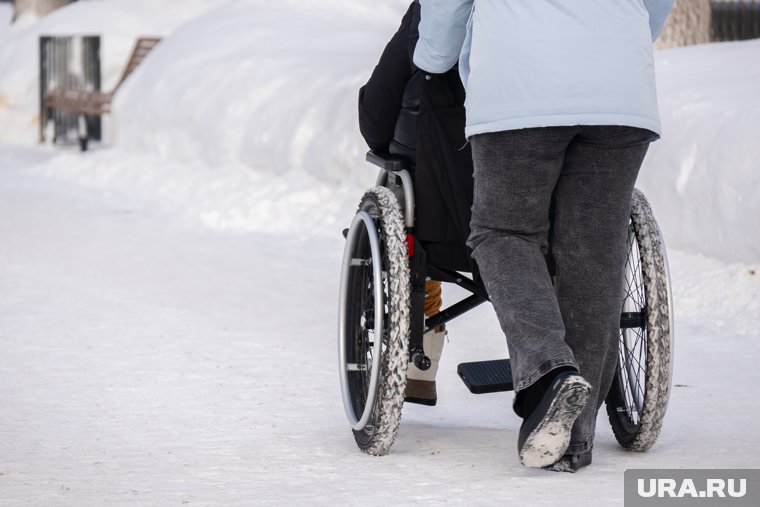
571 463
545 434
527 400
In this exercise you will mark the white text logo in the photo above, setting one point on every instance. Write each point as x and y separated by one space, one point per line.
714 488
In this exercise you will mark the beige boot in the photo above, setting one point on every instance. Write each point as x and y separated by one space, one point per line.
420 385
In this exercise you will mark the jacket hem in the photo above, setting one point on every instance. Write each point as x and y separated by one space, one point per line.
567 120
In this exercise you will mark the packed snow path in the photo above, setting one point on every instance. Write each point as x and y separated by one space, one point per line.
151 361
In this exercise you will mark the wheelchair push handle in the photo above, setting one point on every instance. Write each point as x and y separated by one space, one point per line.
386 161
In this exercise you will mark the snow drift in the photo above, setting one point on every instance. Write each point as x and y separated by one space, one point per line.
702 177
269 85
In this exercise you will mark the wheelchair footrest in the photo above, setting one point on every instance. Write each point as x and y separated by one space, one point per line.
487 376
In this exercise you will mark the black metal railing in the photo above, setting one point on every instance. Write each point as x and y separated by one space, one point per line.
735 20
72 63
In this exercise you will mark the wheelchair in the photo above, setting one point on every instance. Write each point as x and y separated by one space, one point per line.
381 318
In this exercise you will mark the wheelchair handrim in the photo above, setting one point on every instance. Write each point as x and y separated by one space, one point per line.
362 219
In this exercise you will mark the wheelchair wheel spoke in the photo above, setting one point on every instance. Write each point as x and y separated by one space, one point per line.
632 361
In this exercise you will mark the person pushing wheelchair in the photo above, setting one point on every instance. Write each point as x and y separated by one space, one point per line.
561 108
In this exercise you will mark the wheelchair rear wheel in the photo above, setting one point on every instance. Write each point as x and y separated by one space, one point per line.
638 397
374 321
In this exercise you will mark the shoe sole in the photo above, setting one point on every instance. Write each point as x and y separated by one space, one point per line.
568 465
549 441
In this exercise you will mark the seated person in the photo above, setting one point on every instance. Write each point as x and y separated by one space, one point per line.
420 117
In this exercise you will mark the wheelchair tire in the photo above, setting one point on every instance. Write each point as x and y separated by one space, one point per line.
638 398
374 352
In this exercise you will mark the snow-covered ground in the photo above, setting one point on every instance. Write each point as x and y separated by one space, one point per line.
150 361
168 300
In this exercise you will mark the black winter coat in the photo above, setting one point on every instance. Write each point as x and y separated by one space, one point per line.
421 117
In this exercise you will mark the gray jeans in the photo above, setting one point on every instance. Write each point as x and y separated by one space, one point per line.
577 181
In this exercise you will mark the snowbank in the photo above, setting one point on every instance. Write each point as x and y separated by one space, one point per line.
269 85
703 176
119 22
228 197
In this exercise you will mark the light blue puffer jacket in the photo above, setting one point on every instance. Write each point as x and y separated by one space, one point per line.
540 63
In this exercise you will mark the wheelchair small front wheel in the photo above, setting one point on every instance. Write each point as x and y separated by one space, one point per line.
373 327
638 397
